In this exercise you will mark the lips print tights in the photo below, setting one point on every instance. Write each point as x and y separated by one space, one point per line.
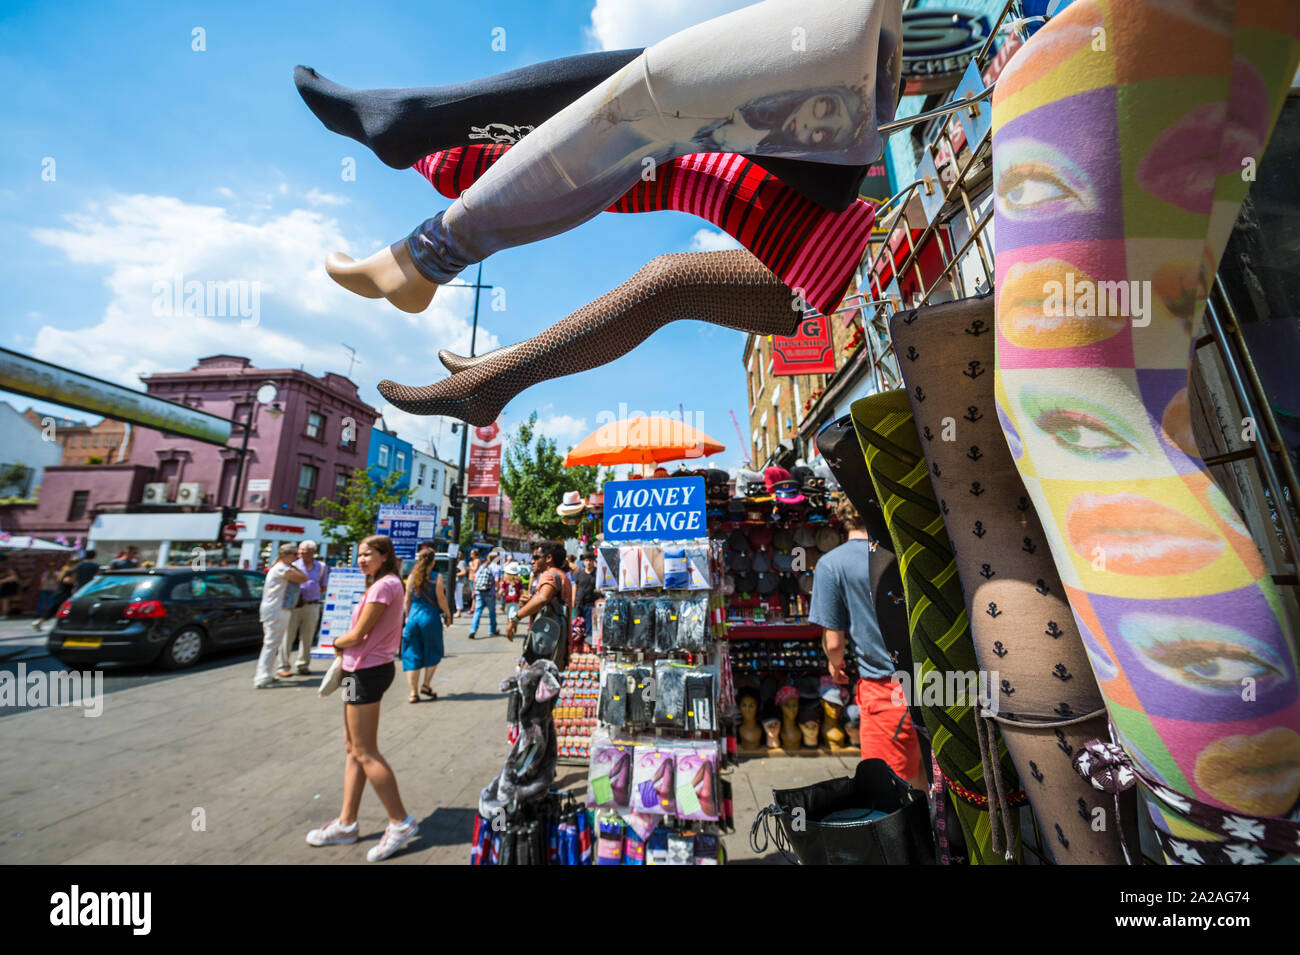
1121 131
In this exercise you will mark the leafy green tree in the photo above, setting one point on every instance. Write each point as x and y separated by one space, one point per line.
535 479
351 518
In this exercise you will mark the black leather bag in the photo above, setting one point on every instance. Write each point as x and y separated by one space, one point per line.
902 837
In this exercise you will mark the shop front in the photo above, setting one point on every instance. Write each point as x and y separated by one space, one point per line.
172 539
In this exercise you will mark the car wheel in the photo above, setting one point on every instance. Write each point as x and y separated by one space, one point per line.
183 649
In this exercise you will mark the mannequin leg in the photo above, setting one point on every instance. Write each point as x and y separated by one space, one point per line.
730 288
743 82
1119 162
809 248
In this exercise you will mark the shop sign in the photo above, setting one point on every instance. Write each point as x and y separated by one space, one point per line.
259 485
655 509
807 352
286 528
485 461
937 45
406 526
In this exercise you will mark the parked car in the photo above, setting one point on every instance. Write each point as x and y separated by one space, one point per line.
168 615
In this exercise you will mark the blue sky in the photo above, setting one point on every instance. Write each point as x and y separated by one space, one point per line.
206 164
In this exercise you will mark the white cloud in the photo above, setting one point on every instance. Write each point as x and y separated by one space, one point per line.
565 429
711 240
318 198
627 24
146 244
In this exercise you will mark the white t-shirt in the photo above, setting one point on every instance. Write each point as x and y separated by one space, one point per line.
273 591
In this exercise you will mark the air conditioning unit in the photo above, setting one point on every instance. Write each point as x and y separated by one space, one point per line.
256 498
155 494
191 493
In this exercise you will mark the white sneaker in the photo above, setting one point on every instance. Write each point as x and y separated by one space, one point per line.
37 625
266 684
394 838
334 834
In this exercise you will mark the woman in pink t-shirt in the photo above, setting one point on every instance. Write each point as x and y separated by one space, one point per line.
367 650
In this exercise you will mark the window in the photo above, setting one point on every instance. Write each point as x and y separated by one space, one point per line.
383 455
306 485
798 405
776 395
241 411
423 469
315 425
77 510
433 479
340 482
255 583
400 467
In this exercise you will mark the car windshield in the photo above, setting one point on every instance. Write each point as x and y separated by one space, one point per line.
118 586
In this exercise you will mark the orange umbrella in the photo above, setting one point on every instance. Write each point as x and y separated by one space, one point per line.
644 440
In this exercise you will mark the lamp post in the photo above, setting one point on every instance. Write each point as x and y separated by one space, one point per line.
265 395
459 505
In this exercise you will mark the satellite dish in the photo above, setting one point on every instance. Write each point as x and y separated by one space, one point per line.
267 393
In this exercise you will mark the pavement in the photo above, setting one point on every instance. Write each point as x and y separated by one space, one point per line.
197 767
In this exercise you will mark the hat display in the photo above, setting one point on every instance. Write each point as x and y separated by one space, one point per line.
804 537
737 541
827 539
737 562
746 582
767 583
788 584
805 583
810 557
760 537
783 563
761 562
596 500
572 505
782 539
786 694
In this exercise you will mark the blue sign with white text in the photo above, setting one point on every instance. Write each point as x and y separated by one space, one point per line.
655 509
407 526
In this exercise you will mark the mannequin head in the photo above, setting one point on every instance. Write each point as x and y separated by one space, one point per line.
748 702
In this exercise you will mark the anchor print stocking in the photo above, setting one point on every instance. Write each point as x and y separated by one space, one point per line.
936 610
1025 636
1121 134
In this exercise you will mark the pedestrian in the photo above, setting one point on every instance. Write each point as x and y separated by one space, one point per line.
495 565
584 590
512 589
484 598
129 559
367 651
304 619
279 596
87 569
11 585
49 587
551 587
426 612
462 572
66 577
843 606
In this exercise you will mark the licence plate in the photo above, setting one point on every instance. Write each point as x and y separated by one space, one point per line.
92 643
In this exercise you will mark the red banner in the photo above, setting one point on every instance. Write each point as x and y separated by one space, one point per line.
484 465
807 352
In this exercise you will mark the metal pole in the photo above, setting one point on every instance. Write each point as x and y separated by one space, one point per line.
239 471
464 428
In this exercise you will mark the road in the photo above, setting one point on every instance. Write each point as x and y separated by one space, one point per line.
196 766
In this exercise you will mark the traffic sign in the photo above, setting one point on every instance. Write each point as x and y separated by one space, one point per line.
229 532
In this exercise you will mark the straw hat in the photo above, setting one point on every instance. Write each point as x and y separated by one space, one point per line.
572 505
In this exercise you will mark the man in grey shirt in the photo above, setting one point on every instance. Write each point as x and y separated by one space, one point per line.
842 605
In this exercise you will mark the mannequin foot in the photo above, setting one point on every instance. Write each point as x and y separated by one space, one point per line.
389 273
462 396
371 117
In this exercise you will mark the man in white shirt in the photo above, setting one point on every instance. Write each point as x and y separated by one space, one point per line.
279 596
304 619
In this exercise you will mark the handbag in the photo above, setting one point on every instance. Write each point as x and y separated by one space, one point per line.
548 634
333 678
873 818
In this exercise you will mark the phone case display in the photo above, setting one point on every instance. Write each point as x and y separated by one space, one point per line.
575 710
666 615
693 625
641 624
652 567
613 624
676 575
686 696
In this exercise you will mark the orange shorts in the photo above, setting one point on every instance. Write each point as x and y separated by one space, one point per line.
885 729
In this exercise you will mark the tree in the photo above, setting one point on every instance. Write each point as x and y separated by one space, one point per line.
351 518
535 479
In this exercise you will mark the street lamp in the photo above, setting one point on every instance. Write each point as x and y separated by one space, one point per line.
265 395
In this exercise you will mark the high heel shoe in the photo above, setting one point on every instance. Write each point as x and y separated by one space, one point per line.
389 273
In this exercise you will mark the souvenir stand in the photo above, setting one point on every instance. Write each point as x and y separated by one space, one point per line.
773 532
575 710
658 747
